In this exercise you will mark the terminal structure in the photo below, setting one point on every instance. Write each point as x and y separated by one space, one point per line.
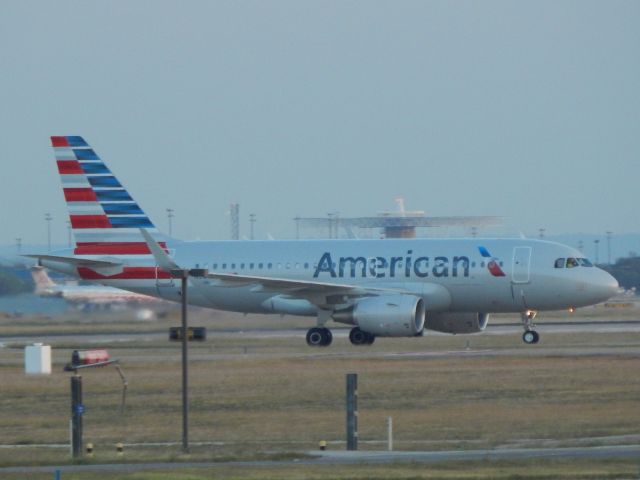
395 224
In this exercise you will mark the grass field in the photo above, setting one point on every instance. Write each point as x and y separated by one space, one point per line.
257 398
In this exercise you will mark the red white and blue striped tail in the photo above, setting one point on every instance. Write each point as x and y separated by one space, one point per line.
105 219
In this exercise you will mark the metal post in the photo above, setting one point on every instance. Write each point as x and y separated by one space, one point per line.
185 371
609 247
252 220
390 434
352 411
596 242
76 416
48 218
170 217
234 213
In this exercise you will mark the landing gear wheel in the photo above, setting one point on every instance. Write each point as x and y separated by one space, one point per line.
327 337
319 337
530 337
360 337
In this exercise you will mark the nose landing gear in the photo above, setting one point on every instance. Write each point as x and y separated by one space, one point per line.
530 336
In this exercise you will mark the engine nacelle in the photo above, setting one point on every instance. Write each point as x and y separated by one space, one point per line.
386 315
457 322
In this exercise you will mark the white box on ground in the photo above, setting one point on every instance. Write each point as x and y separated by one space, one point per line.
37 359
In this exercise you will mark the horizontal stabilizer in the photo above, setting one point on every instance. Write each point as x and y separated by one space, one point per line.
76 262
70 265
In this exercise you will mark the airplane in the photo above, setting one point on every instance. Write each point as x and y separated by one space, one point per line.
88 297
382 288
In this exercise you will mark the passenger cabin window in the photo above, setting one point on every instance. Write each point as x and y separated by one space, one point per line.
559 263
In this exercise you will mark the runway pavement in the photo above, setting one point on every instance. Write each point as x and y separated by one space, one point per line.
360 457
492 329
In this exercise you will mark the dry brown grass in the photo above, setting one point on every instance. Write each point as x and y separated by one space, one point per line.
282 396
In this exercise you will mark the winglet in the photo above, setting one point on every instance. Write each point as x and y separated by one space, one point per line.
162 259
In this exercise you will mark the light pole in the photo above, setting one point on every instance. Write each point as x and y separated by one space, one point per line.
541 232
609 246
252 221
183 275
596 242
170 217
48 218
19 244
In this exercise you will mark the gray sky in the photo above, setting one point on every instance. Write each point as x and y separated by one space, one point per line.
525 109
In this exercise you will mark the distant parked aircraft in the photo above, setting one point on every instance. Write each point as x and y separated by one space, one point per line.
384 288
90 297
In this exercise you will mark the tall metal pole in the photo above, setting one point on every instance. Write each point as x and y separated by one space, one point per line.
185 369
609 247
19 244
170 217
596 242
48 217
252 221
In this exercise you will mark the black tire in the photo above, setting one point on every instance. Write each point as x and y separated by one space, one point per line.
370 338
315 337
359 337
327 337
530 337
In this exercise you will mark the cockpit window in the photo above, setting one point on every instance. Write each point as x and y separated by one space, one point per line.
559 263
572 262
584 262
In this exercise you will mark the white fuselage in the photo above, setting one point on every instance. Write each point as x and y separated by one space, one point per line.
451 275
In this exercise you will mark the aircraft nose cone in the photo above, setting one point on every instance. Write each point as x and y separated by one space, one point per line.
605 286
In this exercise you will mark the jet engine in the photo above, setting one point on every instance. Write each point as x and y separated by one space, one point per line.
457 322
386 315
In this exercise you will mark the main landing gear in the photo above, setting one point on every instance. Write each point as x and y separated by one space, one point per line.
319 337
360 337
530 336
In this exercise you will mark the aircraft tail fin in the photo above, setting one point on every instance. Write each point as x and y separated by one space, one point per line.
105 219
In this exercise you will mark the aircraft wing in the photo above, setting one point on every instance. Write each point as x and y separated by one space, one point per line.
315 292
290 285
77 262
320 294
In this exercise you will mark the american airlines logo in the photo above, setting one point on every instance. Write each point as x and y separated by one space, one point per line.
403 266
380 267
493 265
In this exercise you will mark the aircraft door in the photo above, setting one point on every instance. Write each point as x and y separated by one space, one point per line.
521 265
